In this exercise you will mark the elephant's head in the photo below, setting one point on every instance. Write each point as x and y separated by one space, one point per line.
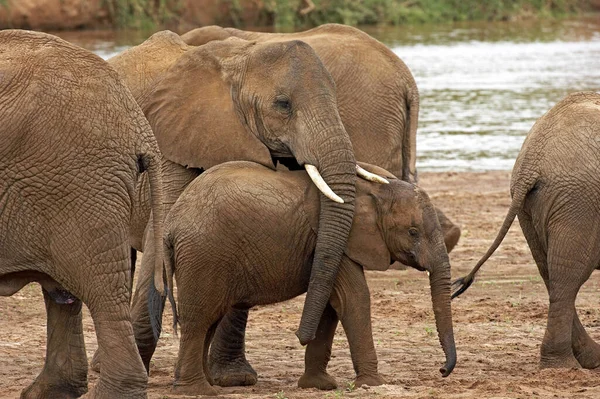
239 100
397 222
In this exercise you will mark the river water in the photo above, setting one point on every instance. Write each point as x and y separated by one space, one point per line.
482 85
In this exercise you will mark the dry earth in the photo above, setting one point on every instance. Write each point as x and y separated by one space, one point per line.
499 323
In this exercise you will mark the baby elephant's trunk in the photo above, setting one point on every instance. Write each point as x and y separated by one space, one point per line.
439 280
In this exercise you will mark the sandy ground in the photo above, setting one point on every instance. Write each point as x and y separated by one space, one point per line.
499 323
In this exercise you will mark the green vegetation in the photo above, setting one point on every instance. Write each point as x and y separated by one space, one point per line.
296 14
288 14
142 14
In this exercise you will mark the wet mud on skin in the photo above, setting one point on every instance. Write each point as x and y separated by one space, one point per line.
499 323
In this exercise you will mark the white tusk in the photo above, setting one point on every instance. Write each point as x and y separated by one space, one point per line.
365 174
315 176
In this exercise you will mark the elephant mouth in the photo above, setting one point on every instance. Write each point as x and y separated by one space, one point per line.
409 259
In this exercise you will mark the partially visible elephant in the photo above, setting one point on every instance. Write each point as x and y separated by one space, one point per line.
555 189
378 101
377 96
242 235
243 100
73 143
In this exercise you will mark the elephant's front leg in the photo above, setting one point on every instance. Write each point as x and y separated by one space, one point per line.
352 302
227 359
318 354
65 371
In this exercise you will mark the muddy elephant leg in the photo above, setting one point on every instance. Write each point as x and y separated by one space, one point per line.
450 230
95 363
318 354
568 268
227 359
585 349
352 302
553 264
191 376
122 374
65 370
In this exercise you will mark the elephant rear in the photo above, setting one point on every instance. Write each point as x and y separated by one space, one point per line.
72 144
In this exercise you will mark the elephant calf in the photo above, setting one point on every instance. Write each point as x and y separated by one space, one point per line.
243 235
555 189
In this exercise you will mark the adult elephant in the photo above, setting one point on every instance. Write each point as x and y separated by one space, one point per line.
243 100
555 189
73 142
377 95
378 101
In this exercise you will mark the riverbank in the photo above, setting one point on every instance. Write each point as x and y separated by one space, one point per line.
499 323
271 14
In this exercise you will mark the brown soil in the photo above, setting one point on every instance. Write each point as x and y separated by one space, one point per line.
499 323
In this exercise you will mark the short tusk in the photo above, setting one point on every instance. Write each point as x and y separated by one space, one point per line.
316 177
365 174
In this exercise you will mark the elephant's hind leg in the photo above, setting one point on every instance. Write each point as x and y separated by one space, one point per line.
227 358
586 350
65 370
569 267
318 354
190 370
122 373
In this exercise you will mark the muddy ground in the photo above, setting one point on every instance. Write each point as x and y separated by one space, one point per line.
499 323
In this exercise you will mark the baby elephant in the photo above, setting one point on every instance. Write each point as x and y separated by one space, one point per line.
243 235
555 189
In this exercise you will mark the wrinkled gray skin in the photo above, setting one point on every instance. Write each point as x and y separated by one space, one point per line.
378 101
244 223
241 100
73 142
555 189
377 95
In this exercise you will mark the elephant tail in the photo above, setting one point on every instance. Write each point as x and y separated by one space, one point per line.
409 138
151 163
521 188
170 269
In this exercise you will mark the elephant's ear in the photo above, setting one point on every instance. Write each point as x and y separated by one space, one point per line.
366 245
192 113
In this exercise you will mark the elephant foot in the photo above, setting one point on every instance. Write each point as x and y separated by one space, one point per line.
233 373
101 391
95 364
557 362
41 389
194 389
322 381
589 356
370 380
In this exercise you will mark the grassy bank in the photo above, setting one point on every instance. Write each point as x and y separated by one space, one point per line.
283 14
399 12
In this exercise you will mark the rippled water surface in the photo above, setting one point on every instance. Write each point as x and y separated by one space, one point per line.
482 85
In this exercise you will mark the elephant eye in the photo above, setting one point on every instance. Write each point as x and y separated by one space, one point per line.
283 105
413 232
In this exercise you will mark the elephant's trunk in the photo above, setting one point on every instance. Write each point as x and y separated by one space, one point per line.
337 166
439 280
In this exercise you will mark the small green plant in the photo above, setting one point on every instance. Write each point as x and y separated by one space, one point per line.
350 386
338 393
281 395
430 331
